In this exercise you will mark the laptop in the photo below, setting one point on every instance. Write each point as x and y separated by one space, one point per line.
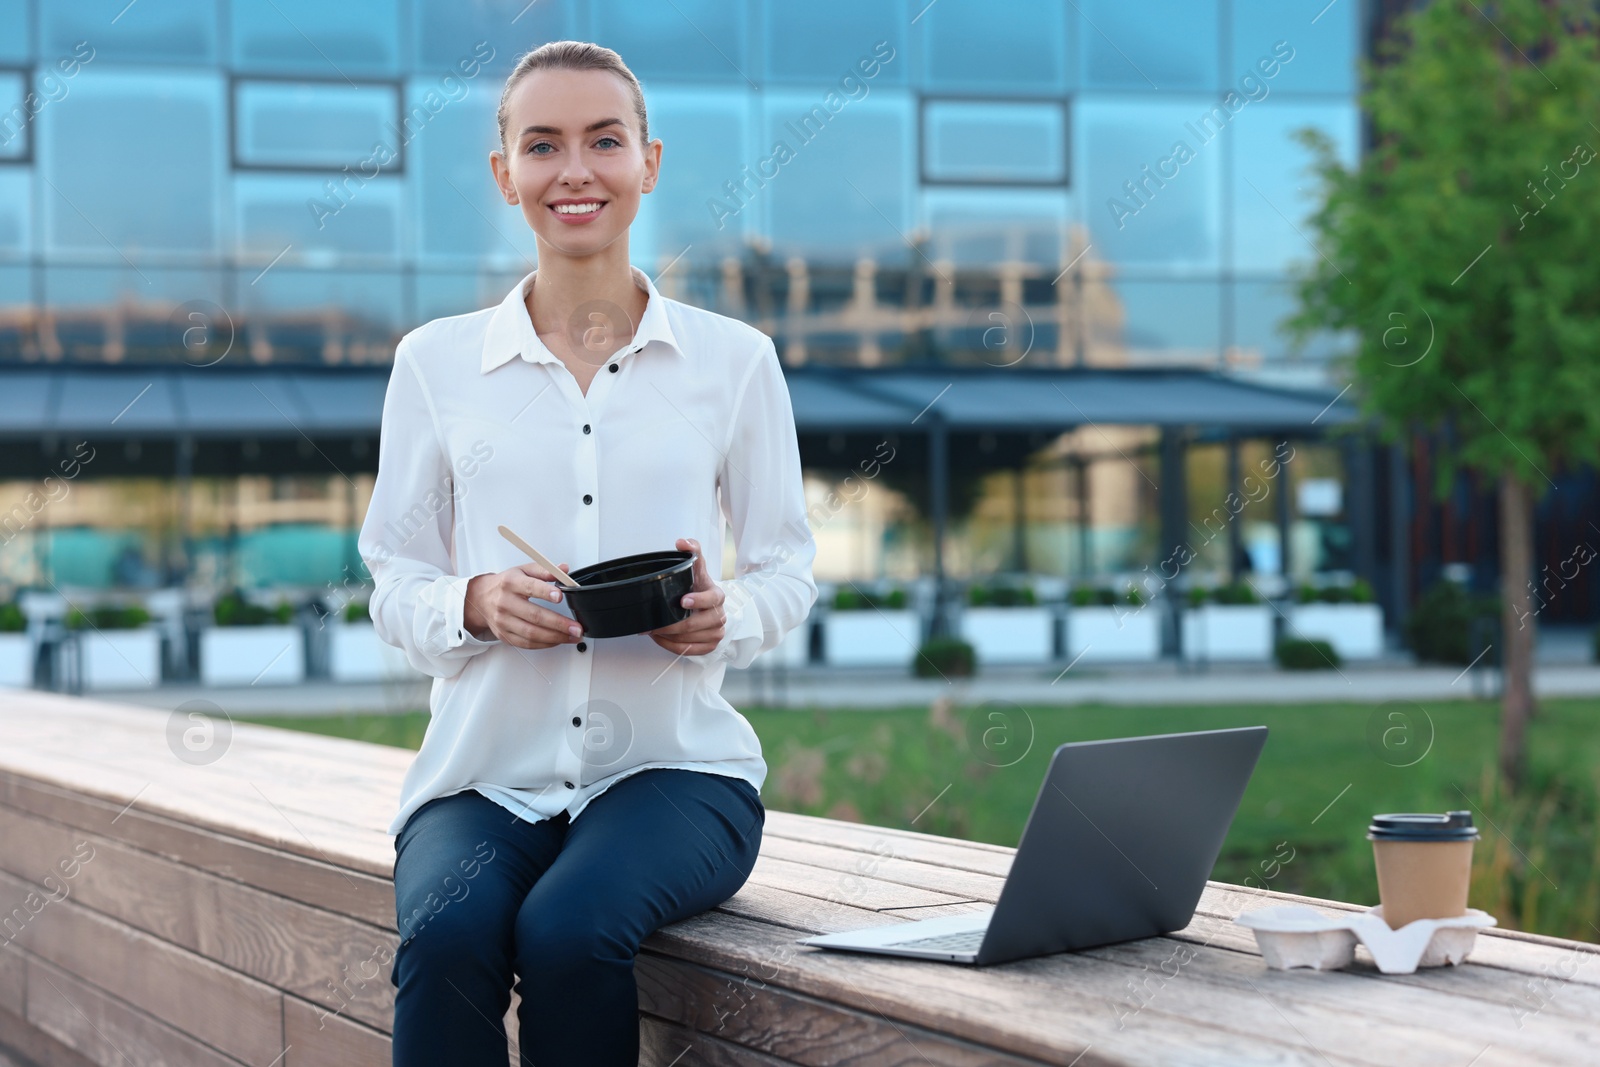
1120 842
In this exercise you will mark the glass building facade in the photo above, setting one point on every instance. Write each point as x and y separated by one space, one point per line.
1121 177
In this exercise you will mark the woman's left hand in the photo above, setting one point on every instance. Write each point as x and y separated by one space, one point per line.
703 630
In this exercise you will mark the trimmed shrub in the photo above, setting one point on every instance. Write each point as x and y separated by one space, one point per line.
1299 655
1440 629
108 617
232 609
1000 596
1233 593
851 599
12 620
947 656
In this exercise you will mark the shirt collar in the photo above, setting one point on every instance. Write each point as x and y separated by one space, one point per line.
511 332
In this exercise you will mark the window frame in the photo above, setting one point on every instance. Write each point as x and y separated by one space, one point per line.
395 85
29 147
925 179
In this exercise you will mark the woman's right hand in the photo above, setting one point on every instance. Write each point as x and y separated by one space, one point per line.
499 604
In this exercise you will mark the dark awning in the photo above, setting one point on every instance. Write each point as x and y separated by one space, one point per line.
171 402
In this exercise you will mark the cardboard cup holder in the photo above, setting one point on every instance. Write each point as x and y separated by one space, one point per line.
1293 935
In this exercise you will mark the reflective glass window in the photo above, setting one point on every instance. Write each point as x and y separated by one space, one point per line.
456 292
316 124
470 37
1157 45
1273 191
994 141
690 40
1021 46
94 289
16 31
1296 46
1151 177
1142 322
968 226
461 210
16 212
835 184
704 148
128 196
292 304
16 298
316 215
311 36
17 113
830 40
1259 310
173 31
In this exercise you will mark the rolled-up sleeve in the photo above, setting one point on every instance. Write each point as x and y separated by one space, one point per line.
763 499
418 599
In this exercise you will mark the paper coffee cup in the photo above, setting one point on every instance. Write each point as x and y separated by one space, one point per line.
1424 864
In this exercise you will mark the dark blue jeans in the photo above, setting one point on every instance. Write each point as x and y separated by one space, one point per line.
480 893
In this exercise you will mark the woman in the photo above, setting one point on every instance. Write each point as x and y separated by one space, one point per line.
572 796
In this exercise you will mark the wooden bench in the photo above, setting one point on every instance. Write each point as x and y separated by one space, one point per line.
241 912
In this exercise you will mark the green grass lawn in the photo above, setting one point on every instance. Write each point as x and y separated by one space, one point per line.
1326 769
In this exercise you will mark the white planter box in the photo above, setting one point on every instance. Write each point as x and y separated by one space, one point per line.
793 651
252 655
16 660
1119 633
1354 630
120 659
1228 632
868 638
1010 635
357 654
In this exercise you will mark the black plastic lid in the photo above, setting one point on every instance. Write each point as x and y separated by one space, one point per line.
1451 826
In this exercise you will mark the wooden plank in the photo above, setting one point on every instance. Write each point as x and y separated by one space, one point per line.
889 867
315 1039
793 824
979 857
843 887
1052 1016
1566 985
237 807
13 976
224 1009
105 1030
746 1011
665 1044
1339 1009
323 957
1240 940
310 881
36 1046
1533 955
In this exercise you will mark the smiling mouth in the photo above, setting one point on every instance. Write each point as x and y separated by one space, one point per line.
588 208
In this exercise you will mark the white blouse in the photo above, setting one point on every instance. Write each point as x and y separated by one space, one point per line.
688 424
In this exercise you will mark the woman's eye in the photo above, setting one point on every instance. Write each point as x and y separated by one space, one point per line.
534 148
609 142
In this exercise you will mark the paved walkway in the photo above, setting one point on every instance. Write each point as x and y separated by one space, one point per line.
1150 684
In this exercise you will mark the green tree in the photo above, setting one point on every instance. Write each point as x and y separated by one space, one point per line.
1460 253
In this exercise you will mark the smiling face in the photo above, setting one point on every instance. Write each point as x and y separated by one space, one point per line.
575 162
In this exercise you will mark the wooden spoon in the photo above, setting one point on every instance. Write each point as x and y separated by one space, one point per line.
539 557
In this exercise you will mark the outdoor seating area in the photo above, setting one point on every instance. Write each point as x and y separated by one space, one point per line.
236 907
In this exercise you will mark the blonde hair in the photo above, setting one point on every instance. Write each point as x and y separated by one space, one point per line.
572 55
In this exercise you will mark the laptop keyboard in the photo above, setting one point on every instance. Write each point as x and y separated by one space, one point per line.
965 941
